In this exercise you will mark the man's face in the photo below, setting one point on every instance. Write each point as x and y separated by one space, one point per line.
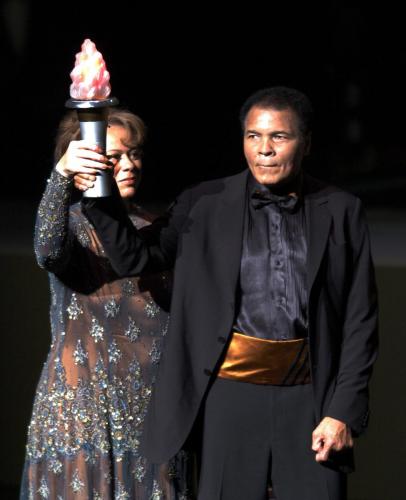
274 145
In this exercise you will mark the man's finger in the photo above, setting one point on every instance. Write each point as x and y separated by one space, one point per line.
317 443
323 454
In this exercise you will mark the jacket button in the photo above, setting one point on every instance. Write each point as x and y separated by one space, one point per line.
222 340
207 371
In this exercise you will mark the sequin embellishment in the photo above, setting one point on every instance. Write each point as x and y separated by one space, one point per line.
140 469
82 235
151 309
79 354
74 309
155 353
157 493
121 494
111 309
114 352
132 331
128 288
96 330
76 483
43 490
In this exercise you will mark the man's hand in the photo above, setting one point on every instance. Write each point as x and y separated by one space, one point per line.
330 434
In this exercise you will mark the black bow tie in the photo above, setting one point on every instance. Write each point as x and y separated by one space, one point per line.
261 198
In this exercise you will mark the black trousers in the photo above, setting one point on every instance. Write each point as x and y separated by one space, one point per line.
256 434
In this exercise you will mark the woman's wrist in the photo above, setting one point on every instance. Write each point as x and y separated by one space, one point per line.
63 172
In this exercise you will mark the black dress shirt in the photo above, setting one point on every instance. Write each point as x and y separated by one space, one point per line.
273 295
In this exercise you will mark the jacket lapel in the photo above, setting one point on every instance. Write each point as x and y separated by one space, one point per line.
229 229
318 222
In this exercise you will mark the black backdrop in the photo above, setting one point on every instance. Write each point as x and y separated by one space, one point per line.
186 71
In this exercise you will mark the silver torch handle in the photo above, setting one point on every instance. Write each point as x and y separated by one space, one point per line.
93 120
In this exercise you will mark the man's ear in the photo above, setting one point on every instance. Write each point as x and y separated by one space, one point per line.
308 143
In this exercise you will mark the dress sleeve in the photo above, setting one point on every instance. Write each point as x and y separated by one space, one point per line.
52 239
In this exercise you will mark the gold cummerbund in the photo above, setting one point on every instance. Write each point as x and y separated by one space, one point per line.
262 361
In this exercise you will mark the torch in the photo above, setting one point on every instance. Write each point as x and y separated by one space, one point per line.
89 91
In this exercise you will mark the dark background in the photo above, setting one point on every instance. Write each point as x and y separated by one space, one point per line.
186 70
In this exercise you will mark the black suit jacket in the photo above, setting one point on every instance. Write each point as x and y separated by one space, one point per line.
203 239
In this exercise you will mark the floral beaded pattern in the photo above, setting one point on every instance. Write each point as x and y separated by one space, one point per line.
107 339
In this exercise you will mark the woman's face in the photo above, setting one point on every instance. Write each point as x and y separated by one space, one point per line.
126 162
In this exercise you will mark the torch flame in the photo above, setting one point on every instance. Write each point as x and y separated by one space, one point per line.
90 78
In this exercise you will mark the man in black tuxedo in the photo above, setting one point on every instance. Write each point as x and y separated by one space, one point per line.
273 330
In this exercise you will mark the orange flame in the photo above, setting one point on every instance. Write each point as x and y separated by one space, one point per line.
90 78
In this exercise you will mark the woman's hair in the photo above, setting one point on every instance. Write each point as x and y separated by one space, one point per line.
69 129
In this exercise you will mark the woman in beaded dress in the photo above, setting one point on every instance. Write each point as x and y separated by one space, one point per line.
107 337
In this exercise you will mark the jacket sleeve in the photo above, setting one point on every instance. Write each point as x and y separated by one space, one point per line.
360 332
133 251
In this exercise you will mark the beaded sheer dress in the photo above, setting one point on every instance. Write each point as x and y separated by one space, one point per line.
107 338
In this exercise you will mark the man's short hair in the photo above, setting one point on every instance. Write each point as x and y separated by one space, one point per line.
281 98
